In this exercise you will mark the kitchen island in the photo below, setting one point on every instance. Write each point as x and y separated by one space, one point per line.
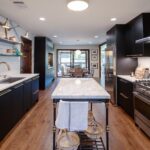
80 89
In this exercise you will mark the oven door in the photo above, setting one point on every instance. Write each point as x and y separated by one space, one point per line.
142 112
142 105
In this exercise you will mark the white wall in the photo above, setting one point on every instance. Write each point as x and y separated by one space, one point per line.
14 62
144 62
90 47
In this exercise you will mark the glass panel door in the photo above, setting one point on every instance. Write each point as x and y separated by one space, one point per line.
81 60
67 59
64 62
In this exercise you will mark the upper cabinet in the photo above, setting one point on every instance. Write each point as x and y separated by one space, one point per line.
136 29
116 44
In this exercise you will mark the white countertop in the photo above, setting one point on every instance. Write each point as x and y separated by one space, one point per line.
79 88
26 77
129 78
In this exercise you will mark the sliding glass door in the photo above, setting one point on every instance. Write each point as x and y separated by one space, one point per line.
67 59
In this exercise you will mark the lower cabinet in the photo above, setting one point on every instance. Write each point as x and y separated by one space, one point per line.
6 121
27 98
125 96
15 102
35 90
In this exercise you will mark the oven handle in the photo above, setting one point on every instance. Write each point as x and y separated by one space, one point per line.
141 98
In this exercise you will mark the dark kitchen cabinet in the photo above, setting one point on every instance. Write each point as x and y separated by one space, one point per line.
116 61
43 61
6 121
35 90
27 99
15 102
17 106
136 29
125 96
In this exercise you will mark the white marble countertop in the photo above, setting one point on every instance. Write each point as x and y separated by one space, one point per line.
25 76
129 78
79 88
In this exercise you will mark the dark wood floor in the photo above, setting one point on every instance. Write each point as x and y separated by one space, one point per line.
34 131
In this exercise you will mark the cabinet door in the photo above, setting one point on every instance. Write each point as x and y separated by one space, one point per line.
138 34
6 122
129 39
125 96
35 90
27 98
17 103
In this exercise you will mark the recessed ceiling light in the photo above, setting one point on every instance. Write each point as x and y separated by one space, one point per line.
77 5
55 36
113 19
42 19
96 36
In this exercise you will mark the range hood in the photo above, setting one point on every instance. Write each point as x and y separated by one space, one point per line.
143 40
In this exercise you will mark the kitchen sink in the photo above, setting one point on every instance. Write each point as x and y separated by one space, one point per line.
11 80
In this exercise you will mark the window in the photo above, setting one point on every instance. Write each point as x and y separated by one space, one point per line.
67 59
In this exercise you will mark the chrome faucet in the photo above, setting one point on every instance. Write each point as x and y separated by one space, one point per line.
8 67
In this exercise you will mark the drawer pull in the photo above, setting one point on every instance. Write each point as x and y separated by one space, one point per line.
124 96
28 81
18 86
36 78
36 92
5 92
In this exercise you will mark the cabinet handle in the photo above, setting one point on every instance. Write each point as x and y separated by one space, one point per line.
5 92
36 92
124 96
18 86
35 78
28 81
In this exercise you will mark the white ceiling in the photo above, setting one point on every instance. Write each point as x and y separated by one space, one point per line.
72 26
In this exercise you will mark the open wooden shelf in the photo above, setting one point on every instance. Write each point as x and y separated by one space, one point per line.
9 41
10 55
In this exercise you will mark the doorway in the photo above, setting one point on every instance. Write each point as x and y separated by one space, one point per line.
67 59
26 59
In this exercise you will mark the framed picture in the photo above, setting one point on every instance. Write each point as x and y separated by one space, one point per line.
94 65
94 57
94 51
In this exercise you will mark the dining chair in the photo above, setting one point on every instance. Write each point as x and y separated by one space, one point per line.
78 72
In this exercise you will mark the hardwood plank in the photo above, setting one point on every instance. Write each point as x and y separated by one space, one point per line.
34 131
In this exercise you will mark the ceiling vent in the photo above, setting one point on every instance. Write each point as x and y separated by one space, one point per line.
19 3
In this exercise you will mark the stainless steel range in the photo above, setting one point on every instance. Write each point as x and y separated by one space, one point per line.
142 105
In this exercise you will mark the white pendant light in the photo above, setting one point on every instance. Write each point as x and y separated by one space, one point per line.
78 52
77 5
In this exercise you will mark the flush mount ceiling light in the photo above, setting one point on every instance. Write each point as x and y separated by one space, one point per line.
77 5
96 36
113 19
55 36
42 19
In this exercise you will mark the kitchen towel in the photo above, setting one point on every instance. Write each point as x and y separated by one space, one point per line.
72 116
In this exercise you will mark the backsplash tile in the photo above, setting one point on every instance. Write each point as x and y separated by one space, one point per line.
144 62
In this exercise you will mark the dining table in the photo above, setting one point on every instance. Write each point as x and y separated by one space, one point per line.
81 90
72 71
